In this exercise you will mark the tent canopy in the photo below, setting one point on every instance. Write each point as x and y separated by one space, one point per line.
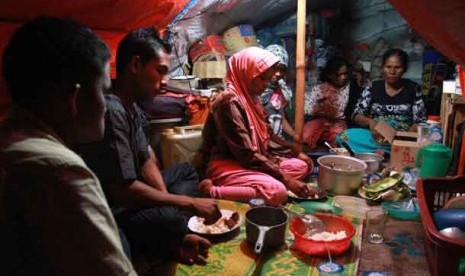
439 24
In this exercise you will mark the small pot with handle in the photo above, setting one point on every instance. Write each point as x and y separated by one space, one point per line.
265 227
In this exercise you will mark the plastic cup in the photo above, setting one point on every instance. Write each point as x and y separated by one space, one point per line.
376 221
423 132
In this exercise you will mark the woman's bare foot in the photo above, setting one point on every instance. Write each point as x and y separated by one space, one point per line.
194 250
205 187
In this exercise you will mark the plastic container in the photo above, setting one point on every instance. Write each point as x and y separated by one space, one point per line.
186 83
329 269
239 37
435 133
444 254
402 209
179 144
433 160
320 248
352 206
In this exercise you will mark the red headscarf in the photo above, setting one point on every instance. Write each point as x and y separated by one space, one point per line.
244 66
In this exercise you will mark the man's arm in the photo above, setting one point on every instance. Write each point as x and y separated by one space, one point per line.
151 173
137 194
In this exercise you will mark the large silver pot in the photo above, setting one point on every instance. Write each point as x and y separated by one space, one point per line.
341 175
373 161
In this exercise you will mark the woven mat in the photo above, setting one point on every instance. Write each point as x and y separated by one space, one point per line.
236 257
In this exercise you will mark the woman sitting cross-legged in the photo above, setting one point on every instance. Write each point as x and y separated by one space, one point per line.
394 100
240 153
330 104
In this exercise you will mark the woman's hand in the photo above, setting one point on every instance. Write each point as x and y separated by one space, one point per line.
372 125
302 156
378 137
299 188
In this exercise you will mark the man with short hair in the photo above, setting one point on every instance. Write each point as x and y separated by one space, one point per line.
150 205
54 218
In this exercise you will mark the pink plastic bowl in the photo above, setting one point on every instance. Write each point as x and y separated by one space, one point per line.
318 248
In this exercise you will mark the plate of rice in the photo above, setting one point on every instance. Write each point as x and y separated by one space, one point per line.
229 221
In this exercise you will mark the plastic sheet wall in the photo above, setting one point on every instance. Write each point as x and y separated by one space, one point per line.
440 23
110 19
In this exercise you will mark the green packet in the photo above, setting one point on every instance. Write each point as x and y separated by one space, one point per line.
384 184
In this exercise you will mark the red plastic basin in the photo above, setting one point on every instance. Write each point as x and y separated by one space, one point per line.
319 248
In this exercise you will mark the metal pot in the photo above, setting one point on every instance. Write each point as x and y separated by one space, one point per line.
265 227
341 175
373 161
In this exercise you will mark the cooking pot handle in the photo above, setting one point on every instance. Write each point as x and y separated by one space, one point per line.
261 237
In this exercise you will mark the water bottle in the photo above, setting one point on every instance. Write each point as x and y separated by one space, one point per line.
435 131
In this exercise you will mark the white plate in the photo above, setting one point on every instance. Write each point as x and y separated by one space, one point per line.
322 194
194 224
321 197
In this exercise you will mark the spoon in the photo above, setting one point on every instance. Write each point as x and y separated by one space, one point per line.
348 148
453 232
313 224
330 147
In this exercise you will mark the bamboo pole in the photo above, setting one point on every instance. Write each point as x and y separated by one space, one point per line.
300 73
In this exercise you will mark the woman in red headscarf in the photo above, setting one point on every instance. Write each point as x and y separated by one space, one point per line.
241 155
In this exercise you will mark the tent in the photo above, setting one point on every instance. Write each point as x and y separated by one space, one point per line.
439 24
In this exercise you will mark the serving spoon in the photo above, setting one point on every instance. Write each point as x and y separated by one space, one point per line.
330 147
313 224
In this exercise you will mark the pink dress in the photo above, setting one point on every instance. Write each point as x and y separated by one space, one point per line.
243 158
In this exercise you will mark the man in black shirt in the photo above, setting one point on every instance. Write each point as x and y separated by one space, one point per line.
151 206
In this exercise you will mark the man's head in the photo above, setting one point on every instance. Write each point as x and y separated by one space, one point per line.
142 59
58 69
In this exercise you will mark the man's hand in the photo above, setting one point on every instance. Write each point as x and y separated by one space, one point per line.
208 209
302 156
194 250
299 188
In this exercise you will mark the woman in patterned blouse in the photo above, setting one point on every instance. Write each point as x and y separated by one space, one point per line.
395 100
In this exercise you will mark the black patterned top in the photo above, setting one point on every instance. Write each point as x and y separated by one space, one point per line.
399 111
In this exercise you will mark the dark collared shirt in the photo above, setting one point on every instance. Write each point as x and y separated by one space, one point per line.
117 159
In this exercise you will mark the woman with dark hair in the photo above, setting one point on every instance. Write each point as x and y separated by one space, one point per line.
395 100
327 104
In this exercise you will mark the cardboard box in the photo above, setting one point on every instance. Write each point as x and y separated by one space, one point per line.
404 146
403 154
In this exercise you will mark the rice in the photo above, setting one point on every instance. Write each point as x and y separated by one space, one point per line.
218 227
326 236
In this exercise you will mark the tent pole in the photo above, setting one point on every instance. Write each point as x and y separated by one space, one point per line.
300 73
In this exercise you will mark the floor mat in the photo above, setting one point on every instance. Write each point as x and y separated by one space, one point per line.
236 257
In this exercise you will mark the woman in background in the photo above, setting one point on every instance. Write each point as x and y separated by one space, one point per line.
278 95
326 104
394 100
